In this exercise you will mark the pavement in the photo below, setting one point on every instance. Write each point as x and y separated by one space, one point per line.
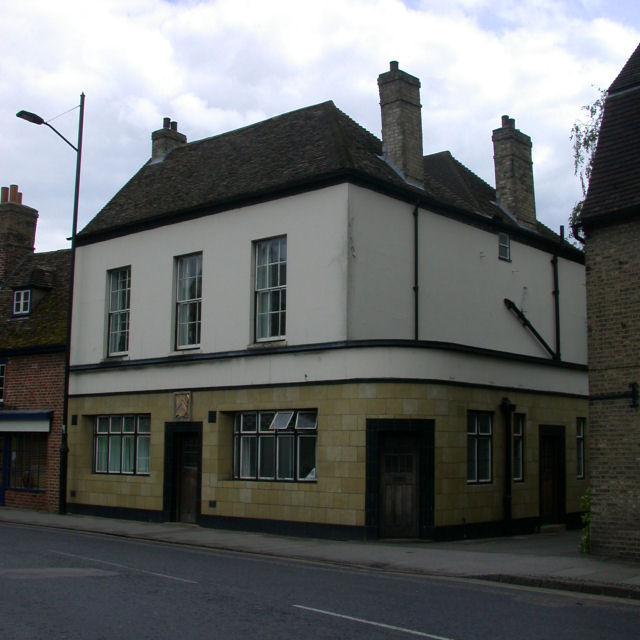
549 559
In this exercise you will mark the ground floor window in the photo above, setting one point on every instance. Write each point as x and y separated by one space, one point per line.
28 462
275 445
479 434
122 444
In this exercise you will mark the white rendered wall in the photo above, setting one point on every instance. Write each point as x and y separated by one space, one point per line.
363 363
462 283
315 224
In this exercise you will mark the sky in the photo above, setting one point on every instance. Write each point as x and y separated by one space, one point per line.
216 65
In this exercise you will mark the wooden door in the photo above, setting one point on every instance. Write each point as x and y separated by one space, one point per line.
187 452
399 486
552 472
4 467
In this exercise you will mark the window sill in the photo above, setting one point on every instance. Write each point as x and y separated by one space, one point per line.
116 356
268 344
186 350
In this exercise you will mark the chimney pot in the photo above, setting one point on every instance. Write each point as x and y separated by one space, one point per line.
13 193
393 65
5 194
166 123
174 125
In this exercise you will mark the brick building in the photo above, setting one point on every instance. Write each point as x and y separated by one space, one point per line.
611 221
33 323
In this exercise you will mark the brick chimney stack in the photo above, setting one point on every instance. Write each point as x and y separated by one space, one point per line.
17 229
165 139
514 171
402 122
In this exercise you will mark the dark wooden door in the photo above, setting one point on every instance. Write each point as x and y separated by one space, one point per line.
399 486
4 467
552 472
187 452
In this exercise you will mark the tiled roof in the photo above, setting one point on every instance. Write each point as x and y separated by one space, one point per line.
614 188
47 275
288 149
293 150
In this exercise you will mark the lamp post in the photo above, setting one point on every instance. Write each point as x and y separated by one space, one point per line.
64 449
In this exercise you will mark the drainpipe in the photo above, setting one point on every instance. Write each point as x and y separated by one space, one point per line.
415 274
556 303
507 410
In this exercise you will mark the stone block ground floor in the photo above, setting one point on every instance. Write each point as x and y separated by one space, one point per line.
346 459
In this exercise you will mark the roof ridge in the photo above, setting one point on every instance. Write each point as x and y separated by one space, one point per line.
253 125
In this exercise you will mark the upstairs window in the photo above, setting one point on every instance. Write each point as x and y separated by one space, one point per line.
119 302
479 445
21 302
3 370
504 247
188 301
271 288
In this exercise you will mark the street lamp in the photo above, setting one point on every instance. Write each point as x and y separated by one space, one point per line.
64 449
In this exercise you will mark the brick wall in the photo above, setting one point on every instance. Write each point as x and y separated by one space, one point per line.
613 310
37 382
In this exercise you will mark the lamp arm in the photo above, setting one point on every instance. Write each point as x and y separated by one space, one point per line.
58 133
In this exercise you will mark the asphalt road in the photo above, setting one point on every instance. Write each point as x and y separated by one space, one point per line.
59 584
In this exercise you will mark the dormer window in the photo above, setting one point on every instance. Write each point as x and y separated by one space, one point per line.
21 302
504 247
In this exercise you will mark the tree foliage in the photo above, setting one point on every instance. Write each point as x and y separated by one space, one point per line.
584 140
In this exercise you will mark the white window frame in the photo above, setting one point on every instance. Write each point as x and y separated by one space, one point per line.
518 435
119 308
270 289
21 302
580 448
188 289
504 246
479 443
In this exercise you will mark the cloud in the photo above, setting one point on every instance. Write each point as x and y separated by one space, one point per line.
215 66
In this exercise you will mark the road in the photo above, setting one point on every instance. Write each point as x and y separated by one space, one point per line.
58 584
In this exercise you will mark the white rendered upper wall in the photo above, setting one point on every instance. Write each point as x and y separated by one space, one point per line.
462 283
315 225
350 267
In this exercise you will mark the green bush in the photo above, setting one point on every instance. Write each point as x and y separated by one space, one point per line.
585 505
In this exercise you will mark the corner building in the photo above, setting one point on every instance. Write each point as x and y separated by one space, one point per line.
297 327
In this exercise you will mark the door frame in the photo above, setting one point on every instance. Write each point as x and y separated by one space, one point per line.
556 433
170 485
423 431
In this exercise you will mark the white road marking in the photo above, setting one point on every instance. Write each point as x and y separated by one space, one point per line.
374 624
124 566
